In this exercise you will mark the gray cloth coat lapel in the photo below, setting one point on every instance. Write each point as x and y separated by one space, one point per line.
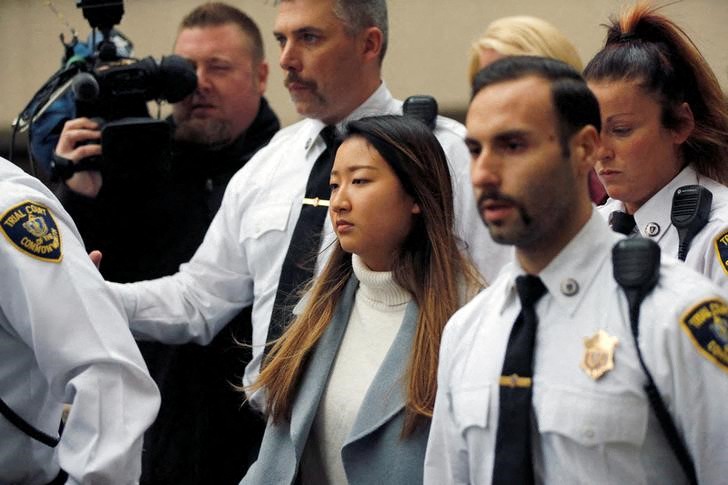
374 452
315 376
386 395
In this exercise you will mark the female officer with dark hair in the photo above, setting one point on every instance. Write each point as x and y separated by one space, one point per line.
664 126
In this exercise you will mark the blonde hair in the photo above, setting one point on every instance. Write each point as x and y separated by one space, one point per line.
524 35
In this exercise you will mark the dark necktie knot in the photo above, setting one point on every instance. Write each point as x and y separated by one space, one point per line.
530 289
328 135
622 222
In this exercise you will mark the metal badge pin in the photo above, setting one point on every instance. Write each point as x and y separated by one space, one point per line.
599 354
569 287
652 229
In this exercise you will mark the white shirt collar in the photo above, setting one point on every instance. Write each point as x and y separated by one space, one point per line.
573 270
654 215
658 208
380 102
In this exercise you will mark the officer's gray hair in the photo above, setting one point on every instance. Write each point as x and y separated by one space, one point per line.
361 14
358 15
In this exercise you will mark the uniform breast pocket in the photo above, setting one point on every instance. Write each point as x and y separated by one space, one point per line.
265 228
602 434
470 408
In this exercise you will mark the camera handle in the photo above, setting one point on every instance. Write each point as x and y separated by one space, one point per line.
64 168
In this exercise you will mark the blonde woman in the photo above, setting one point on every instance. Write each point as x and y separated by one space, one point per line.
521 36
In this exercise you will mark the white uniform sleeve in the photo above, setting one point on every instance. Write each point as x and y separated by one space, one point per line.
199 300
85 356
446 459
690 370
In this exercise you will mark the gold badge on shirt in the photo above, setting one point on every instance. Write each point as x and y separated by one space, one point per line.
599 354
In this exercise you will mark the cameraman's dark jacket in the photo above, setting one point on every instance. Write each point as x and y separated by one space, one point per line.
146 231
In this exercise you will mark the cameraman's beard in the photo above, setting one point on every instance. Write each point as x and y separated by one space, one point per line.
203 131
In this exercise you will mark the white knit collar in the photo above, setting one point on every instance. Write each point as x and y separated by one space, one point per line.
378 286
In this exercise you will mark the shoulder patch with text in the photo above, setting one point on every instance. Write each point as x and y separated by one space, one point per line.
721 250
707 326
30 227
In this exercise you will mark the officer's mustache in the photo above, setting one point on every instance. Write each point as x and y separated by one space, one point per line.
494 195
292 77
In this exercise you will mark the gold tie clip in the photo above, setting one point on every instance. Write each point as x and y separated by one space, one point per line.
514 380
315 202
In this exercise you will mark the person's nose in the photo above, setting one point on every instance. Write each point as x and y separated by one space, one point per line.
339 201
485 170
203 79
290 59
605 152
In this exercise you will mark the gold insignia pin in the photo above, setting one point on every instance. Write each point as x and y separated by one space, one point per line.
599 354
315 202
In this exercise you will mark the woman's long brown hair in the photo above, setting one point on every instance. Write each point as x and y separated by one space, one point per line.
430 265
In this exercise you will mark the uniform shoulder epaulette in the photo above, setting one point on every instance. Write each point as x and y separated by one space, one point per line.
706 323
30 228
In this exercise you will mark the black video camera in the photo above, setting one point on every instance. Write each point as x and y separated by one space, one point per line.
115 93
110 86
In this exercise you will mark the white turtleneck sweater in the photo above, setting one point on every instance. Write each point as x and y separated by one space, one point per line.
379 306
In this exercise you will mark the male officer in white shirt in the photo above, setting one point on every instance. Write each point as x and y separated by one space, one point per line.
63 340
331 52
532 133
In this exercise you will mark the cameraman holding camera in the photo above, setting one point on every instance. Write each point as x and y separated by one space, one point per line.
145 229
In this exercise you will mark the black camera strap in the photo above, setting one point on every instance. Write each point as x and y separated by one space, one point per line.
636 266
26 427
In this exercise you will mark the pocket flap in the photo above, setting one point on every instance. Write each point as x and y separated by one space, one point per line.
272 217
591 419
471 406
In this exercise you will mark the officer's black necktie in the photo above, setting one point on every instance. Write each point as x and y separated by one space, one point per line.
513 462
298 267
622 222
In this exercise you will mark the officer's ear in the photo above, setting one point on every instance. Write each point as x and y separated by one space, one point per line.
372 43
583 148
685 124
261 77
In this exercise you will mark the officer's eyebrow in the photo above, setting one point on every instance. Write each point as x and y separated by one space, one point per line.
472 143
298 32
515 133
